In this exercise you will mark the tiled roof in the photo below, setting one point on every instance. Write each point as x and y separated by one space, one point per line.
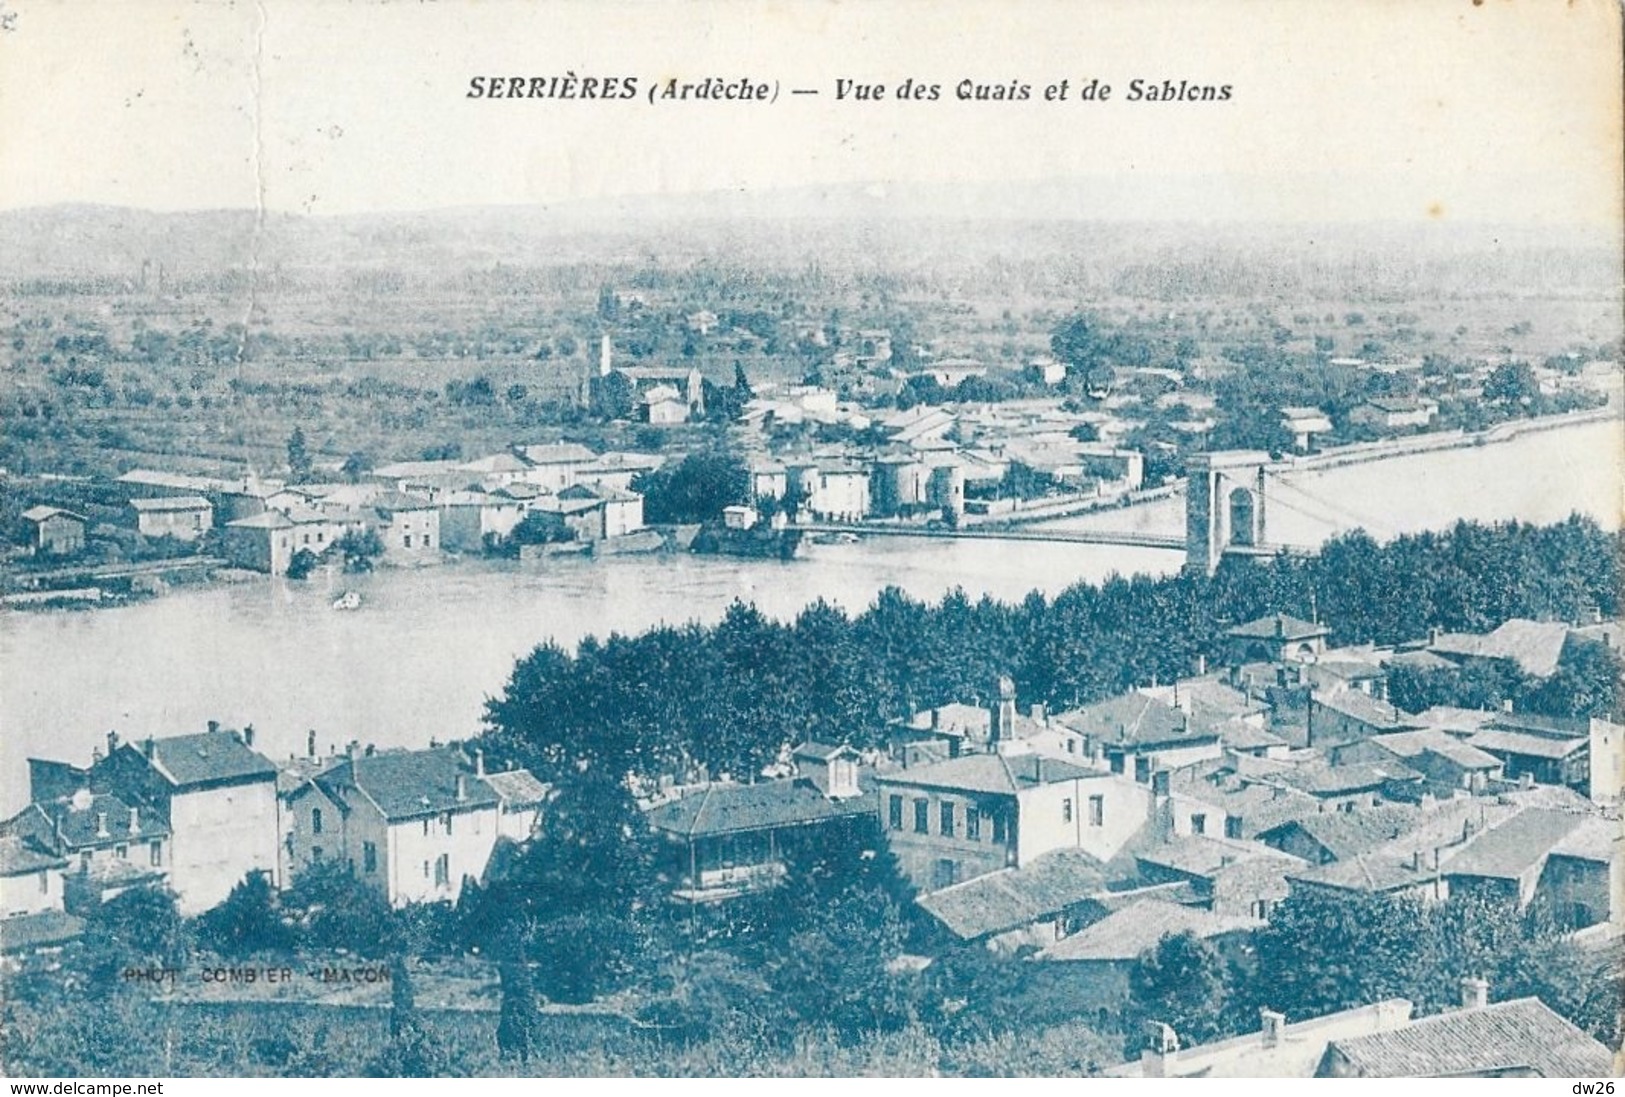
1457 720
1496 741
20 857
557 453
1278 626
78 819
30 931
1324 780
1361 706
954 718
989 773
821 752
41 513
1535 646
407 784
518 787
1345 834
1411 744
1134 720
766 805
1205 855
391 501
1507 1036
1553 727
1015 897
270 519
1595 839
1244 736
1517 845
1127 933
204 757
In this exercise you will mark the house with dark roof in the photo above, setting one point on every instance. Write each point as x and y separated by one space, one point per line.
1278 638
1536 646
1522 1038
108 845
962 817
1583 882
1356 785
408 526
1506 861
726 840
30 878
213 791
1227 876
1343 716
413 824
1331 836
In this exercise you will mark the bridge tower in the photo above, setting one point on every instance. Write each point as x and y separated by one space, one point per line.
1224 505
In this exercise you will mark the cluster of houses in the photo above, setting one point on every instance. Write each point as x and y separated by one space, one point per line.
418 510
198 813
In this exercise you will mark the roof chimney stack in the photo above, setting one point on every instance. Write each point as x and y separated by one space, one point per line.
248 735
1161 1050
310 743
149 747
1271 1027
479 762
214 726
1475 992
135 821
462 788
112 742
101 824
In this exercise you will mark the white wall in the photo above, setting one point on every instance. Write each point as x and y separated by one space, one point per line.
221 835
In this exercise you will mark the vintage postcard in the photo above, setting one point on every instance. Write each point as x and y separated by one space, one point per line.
811 538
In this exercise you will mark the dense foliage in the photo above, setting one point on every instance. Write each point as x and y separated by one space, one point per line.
727 697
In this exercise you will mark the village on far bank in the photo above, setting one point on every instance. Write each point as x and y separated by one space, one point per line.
942 445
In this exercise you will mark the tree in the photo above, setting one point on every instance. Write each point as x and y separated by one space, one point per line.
336 910
517 1035
1181 982
412 1051
1512 383
136 927
359 549
247 922
695 490
303 563
356 465
300 466
1076 342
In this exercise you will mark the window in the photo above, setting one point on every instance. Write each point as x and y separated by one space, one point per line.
999 829
369 857
155 854
425 834
197 521
896 813
315 820
427 543
44 882
315 853
1097 811
922 817
1261 909
945 820
1232 826
1066 810
406 542
425 870
973 823
1198 824
945 874
442 870
84 861
122 852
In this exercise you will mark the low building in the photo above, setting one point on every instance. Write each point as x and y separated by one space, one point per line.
1276 1050
1447 764
474 521
833 489
1135 734
554 466
53 531
727 840
1037 904
1325 837
408 526
30 878
1122 937
107 844
184 517
1549 751
1396 413
261 542
1583 882
1522 1038
1229 877
1303 424
1348 715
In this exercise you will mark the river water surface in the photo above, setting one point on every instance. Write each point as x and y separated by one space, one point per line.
429 646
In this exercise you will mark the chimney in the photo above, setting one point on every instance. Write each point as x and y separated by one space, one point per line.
462 788
1280 625
1506 704
1475 992
1418 858
1003 713
214 726
1038 768
95 755
101 824
1271 1027
936 719
1526 780
479 762
1038 713
1160 783
1161 1050
353 749
135 821
248 735
369 751
112 742
310 743
1201 665
148 747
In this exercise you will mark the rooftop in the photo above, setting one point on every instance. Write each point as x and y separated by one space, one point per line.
1125 934
41 513
1014 897
25 932
205 757
1278 626
1412 744
172 502
1497 741
1515 846
990 773
766 805
1138 721
408 784
1521 1035
518 787
1358 705
20 857
1344 834
79 820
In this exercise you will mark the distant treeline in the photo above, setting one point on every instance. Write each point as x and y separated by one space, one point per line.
727 697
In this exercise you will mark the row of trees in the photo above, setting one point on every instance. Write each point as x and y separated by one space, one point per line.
727 697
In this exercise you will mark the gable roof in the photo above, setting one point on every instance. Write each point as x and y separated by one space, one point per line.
766 805
41 513
1498 741
1208 856
1535 646
1318 779
19 857
1278 626
1412 744
1507 1036
30 931
1359 705
822 752
1520 843
72 823
1014 897
518 787
1594 839
557 453
408 784
1125 934
205 757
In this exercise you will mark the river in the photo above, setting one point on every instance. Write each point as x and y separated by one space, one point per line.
429 646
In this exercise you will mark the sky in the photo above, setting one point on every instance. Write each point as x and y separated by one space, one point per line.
1396 110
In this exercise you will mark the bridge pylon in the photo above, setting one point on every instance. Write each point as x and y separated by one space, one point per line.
1224 505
